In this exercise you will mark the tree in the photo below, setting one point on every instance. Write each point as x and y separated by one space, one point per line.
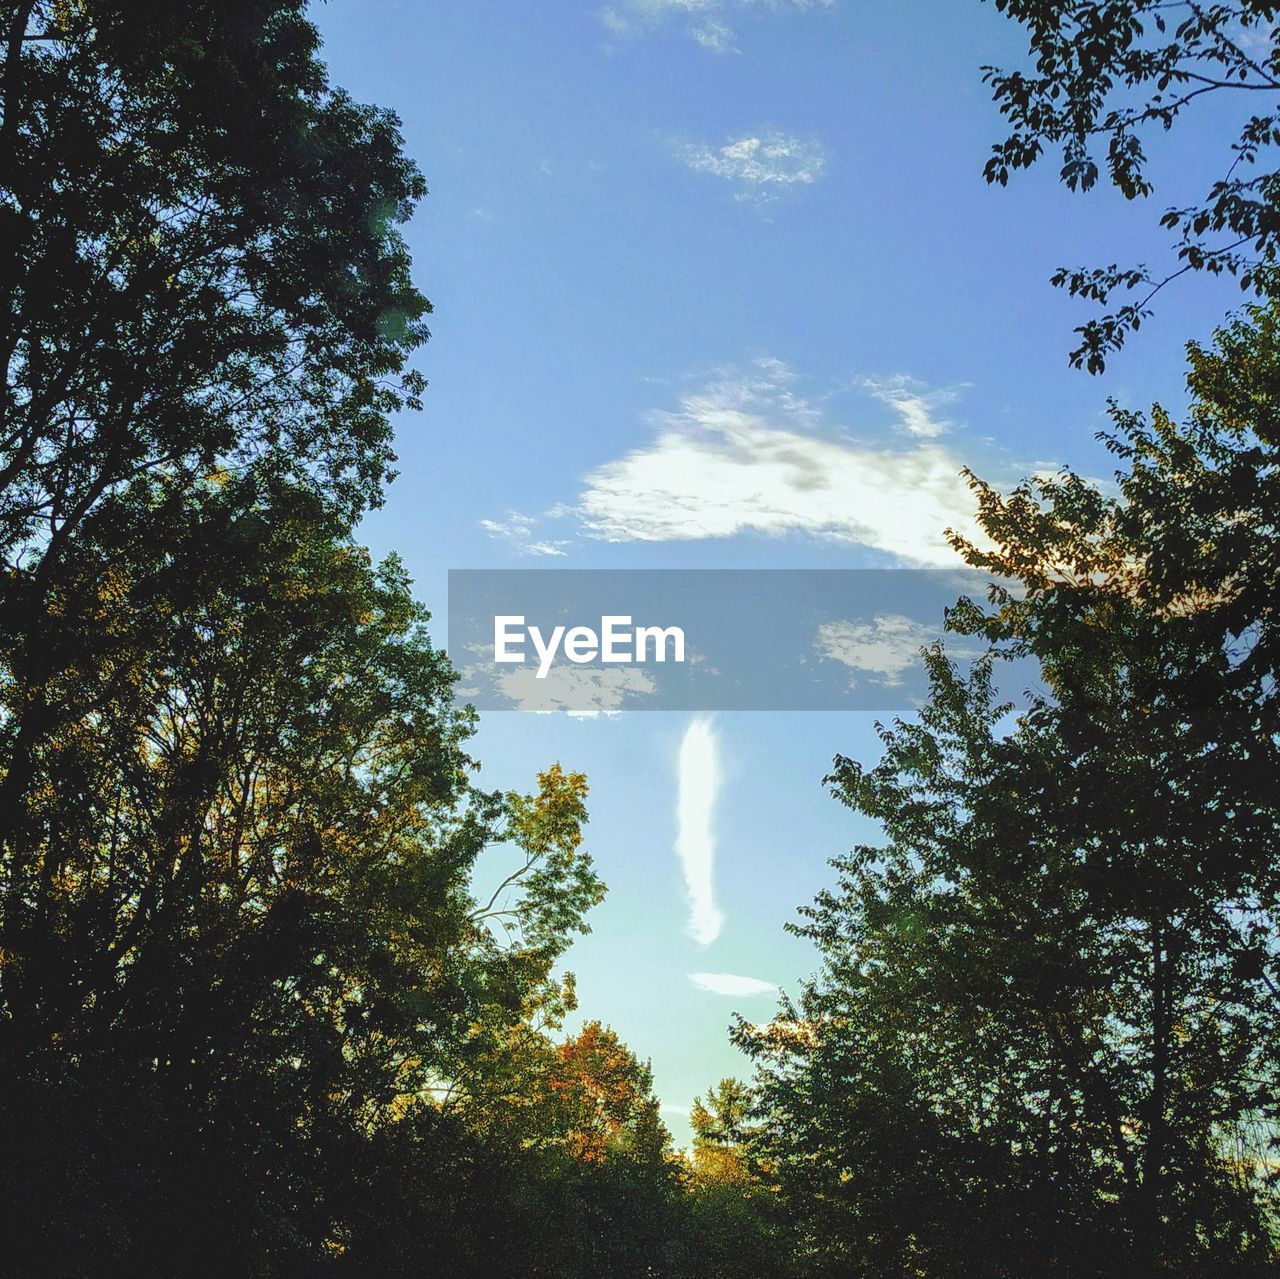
256 1014
1042 1038
737 1228
606 1096
1105 73
556 1163
235 816
246 940
201 268
719 1127
1201 497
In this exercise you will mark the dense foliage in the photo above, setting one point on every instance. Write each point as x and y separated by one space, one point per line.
281 985
1043 1038
255 1014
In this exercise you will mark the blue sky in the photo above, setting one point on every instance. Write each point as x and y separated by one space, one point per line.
674 245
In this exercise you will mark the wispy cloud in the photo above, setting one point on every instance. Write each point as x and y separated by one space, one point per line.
746 454
706 21
697 786
732 984
715 35
885 647
761 165
577 690
916 405
518 530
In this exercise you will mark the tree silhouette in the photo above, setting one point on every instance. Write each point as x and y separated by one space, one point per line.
1104 74
1042 1037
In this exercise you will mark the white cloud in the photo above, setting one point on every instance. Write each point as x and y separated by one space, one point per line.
716 36
706 21
732 984
759 166
885 647
747 454
1256 39
916 406
579 690
518 529
697 786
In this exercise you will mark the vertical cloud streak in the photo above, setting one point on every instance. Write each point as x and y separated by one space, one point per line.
698 786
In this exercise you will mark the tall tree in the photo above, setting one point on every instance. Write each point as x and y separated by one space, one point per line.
1042 1039
247 939
200 266
240 954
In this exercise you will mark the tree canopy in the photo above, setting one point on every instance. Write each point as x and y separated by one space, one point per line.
244 958
1043 1034
283 987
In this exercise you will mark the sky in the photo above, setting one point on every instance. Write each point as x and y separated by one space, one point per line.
683 253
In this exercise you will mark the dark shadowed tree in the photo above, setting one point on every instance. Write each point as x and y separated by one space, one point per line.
1043 1036
240 956
246 941
564 1169
200 267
